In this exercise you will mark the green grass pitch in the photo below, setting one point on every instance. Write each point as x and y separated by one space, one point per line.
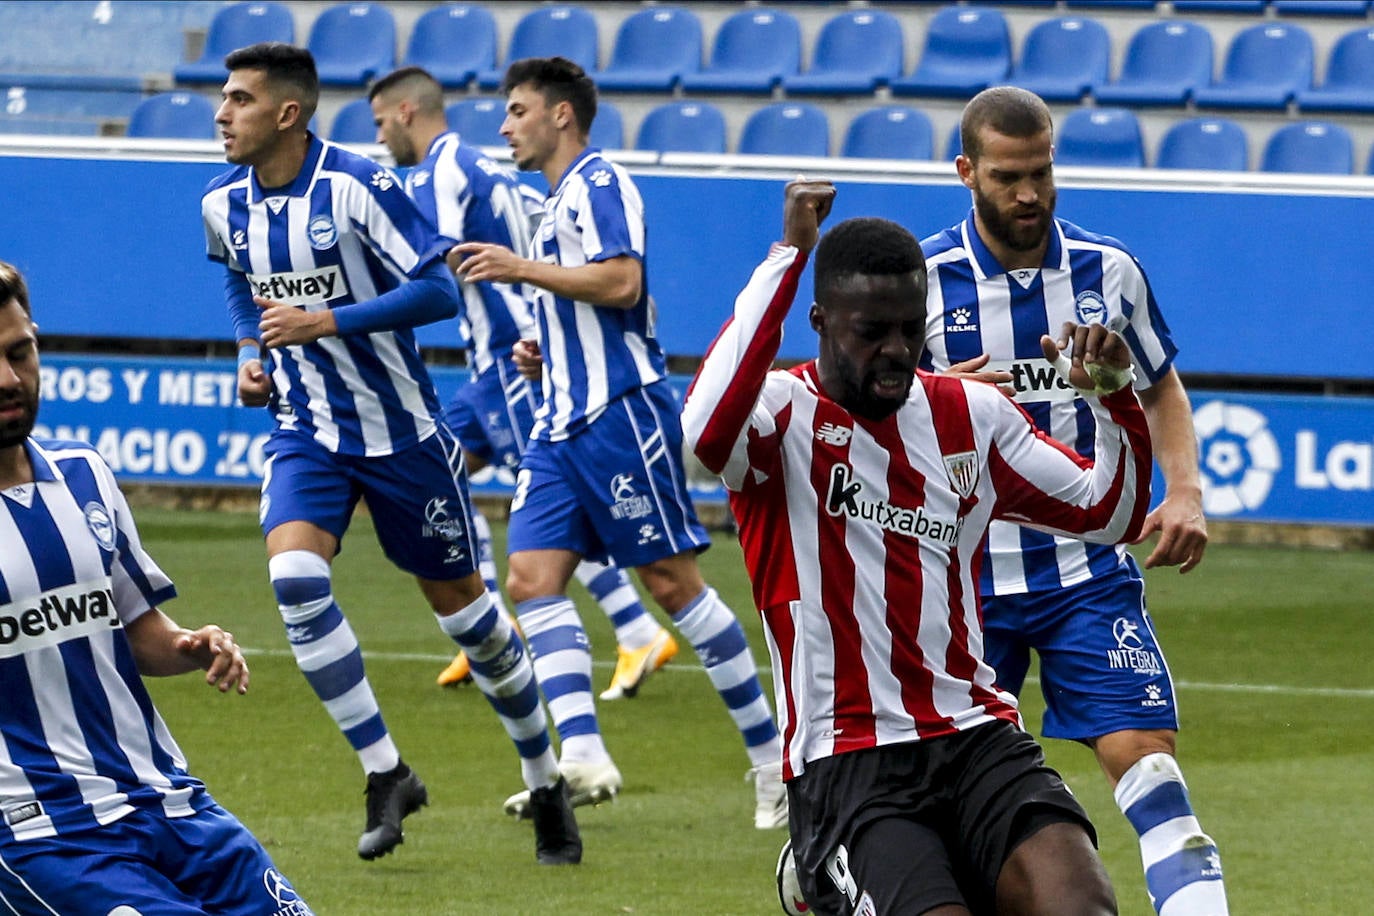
1273 651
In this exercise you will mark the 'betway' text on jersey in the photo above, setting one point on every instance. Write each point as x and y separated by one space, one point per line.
974 307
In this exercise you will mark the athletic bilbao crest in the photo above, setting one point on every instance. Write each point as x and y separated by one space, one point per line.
963 472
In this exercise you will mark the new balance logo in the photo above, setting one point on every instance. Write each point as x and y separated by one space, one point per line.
831 434
304 287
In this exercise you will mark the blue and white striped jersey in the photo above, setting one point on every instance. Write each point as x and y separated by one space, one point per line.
472 198
82 744
342 232
975 306
592 354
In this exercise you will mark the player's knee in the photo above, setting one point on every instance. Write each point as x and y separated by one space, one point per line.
1056 872
1119 751
673 583
300 580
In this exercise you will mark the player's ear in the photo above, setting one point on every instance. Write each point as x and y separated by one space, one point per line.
289 114
817 316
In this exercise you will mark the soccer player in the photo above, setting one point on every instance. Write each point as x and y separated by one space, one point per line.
329 267
603 473
1001 277
467 196
863 490
100 814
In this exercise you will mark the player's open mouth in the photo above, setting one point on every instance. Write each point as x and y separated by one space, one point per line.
891 384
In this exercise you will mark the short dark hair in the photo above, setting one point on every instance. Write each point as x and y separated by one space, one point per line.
285 65
415 82
12 286
1008 110
557 79
865 246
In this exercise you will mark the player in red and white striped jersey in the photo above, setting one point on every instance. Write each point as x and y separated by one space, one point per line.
863 489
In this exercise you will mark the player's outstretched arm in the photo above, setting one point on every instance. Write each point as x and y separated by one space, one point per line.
1178 518
162 649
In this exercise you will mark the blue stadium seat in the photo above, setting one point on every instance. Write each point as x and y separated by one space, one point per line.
966 51
353 43
1062 58
608 128
1266 65
1115 4
754 50
1165 62
1349 84
955 145
563 31
786 129
1244 7
889 132
237 26
1316 147
354 124
182 115
653 49
683 127
856 52
73 112
478 121
1321 7
1204 143
1102 137
453 43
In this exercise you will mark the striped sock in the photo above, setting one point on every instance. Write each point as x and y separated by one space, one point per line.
1182 868
502 671
562 657
718 639
328 655
634 626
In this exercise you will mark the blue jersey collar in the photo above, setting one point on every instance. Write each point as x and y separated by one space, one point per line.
298 186
577 164
986 263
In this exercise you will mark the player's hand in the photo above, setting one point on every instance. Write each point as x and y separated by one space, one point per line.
973 371
1101 361
255 385
214 650
1182 531
285 325
529 360
806 204
481 261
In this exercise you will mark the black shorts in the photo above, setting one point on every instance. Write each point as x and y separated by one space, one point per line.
907 827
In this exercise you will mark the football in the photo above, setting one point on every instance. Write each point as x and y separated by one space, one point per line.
789 889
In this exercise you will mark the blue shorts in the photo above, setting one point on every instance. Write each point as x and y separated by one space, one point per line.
147 864
1101 667
418 499
615 489
492 415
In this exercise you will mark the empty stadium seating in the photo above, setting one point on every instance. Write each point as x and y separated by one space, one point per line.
182 115
966 50
683 127
1204 143
653 49
478 121
1349 83
787 129
1165 62
608 130
889 132
453 43
754 50
354 124
1266 65
353 43
856 52
566 31
1063 58
1316 147
237 26
1102 137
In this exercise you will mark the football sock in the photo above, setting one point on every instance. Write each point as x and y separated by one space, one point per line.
486 561
502 671
716 635
328 655
634 626
1182 868
563 664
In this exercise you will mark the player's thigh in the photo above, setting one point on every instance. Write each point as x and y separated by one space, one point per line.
227 869
1055 872
629 466
547 511
1103 670
304 482
421 509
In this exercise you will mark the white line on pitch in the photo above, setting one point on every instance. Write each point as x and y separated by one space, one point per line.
1362 693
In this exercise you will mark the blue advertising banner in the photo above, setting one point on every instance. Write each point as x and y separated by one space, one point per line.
1276 458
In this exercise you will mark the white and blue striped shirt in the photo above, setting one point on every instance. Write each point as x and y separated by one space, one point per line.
592 354
976 306
342 232
472 198
83 745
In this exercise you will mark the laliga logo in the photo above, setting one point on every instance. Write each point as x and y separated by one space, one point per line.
1239 457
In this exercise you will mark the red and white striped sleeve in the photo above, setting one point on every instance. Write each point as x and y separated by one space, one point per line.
1043 483
723 400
